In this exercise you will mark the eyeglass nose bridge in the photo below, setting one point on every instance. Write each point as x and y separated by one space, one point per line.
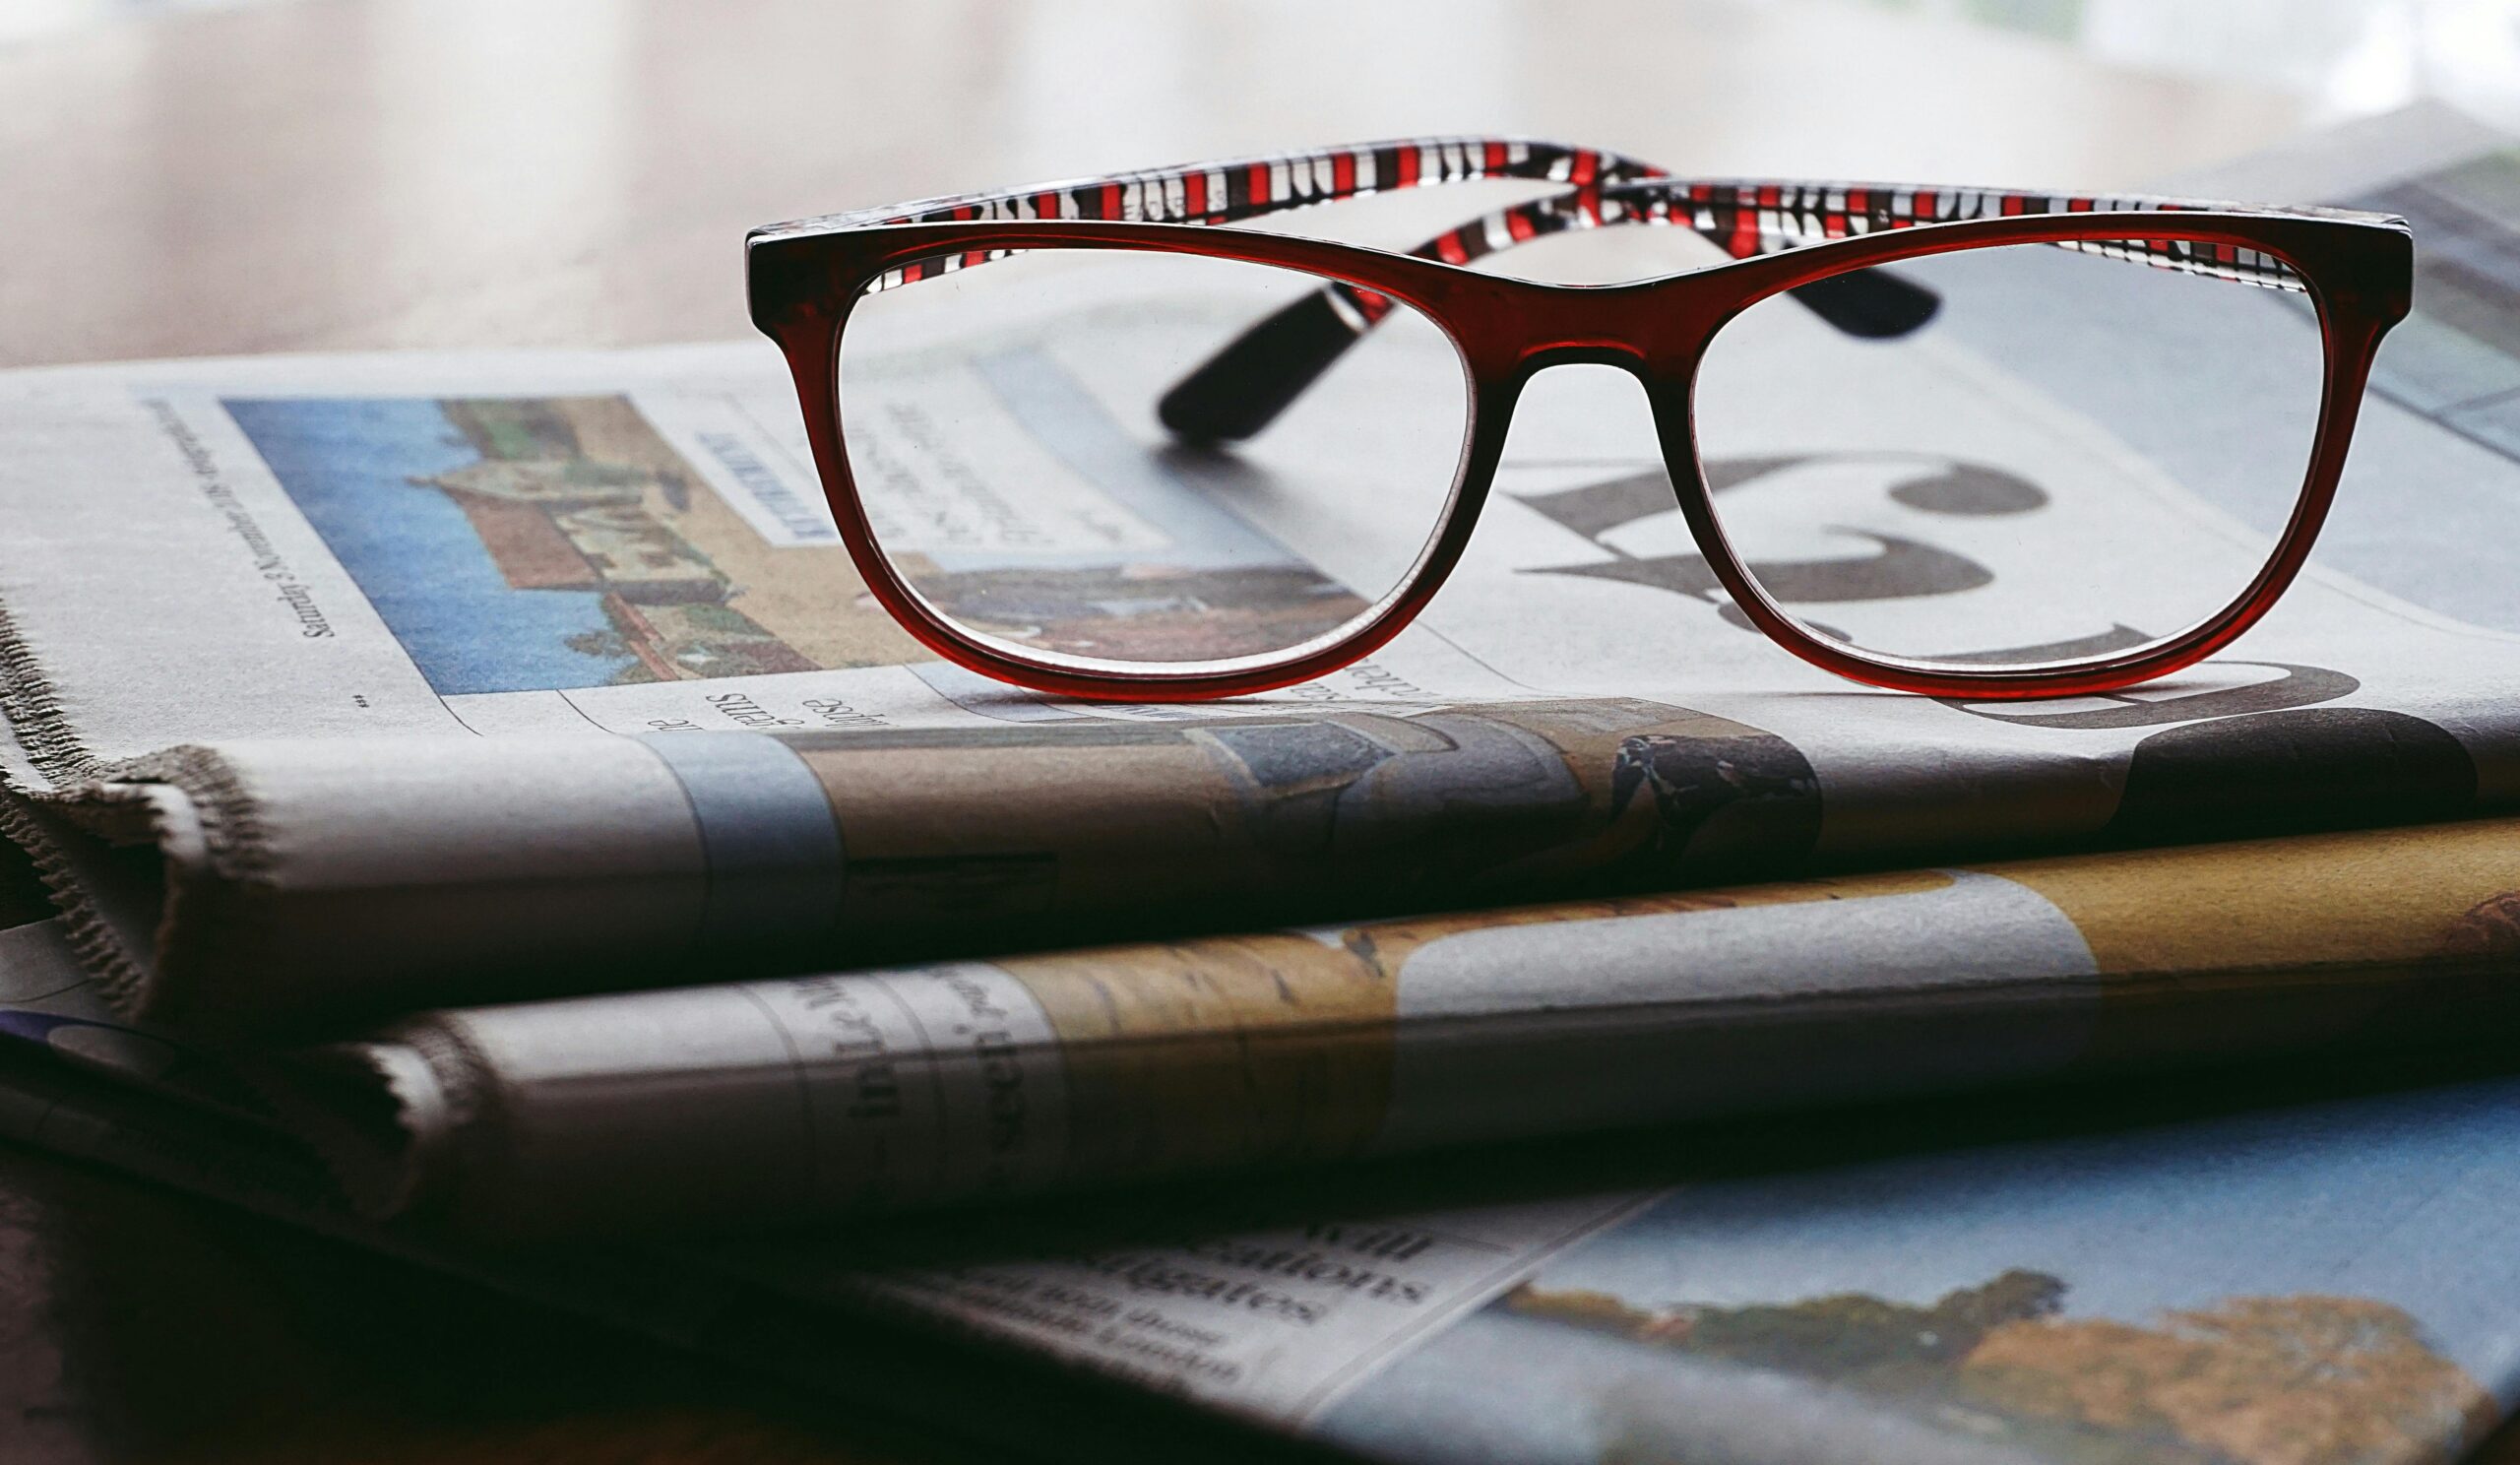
1653 329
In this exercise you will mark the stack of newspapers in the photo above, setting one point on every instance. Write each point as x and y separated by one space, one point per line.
469 806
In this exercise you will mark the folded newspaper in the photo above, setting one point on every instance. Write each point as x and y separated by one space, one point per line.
2226 1283
799 1097
324 742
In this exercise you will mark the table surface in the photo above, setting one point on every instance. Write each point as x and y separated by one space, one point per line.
365 173
577 172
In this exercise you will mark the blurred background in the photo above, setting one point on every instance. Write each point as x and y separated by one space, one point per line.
191 176
2342 57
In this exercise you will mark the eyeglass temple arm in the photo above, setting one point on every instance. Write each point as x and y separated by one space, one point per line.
1251 379
1248 188
1214 193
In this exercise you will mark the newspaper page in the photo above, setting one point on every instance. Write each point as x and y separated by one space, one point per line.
341 638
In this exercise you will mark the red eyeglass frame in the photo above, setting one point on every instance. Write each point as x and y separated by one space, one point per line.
2357 269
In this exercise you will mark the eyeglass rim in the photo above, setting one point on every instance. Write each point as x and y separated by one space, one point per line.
2357 269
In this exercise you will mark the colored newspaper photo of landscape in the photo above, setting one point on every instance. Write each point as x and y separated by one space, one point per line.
2270 1287
2268 1380
547 543
1139 611
551 544
1005 486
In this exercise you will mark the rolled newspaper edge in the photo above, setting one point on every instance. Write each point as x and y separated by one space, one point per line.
382 1118
810 1098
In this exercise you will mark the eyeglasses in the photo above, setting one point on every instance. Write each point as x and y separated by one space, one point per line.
1078 439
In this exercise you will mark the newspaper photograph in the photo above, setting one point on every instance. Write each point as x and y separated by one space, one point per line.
2153 1296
